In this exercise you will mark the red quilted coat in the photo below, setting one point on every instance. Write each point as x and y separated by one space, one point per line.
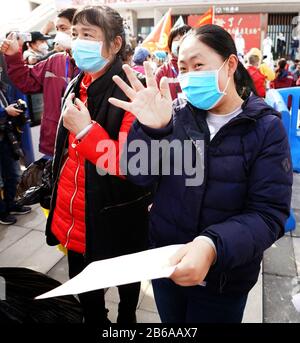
68 224
259 80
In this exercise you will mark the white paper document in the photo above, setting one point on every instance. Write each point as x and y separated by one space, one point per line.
145 265
296 301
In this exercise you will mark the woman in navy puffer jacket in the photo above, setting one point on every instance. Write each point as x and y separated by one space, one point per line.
235 205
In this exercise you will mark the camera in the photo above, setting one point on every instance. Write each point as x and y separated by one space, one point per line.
21 105
24 36
11 127
20 120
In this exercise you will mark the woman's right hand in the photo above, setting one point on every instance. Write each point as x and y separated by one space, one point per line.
152 106
10 45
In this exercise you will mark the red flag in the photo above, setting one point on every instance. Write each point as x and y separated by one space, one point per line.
158 38
206 18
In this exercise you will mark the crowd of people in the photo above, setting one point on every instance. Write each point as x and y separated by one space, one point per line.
97 88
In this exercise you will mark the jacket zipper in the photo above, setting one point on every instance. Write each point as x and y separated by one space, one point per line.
72 201
125 203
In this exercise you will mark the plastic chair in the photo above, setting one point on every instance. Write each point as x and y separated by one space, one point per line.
290 224
294 132
275 99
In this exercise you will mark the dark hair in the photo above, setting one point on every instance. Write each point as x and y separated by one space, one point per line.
280 71
109 20
177 31
222 43
282 63
127 52
67 13
24 47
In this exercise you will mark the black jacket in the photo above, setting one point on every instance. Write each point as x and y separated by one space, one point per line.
244 198
116 210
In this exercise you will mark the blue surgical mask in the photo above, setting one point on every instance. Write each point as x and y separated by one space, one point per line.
201 88
87 55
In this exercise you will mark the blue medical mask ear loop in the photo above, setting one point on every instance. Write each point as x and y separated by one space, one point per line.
227 83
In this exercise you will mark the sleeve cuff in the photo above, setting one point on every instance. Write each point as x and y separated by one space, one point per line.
83 132
87 145
14 58
210 242
157 133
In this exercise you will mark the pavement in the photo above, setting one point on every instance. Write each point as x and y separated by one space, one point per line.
23 245
281 271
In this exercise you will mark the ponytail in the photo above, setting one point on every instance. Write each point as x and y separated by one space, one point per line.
24 47
243 82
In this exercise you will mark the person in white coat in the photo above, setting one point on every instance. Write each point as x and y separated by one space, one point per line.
240 45
267 49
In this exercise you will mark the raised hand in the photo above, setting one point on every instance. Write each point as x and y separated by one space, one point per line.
152 106
76 116
10 45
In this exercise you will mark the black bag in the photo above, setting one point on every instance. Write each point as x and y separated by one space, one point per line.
36 184
22 285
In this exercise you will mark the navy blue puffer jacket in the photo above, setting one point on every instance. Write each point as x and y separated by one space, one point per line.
244 199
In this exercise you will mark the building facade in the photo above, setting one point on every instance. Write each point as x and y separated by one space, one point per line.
255 20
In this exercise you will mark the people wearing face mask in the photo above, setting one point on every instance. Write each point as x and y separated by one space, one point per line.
170 69
95 212
62 41
50 77
36 49
234 204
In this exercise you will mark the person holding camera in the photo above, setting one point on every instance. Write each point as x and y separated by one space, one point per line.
50 77
12 119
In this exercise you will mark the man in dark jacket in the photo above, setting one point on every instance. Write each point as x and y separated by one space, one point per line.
9 164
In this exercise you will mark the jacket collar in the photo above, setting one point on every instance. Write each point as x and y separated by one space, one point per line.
194 119
100 84
253 108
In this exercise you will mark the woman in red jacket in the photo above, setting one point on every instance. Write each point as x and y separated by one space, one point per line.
95 214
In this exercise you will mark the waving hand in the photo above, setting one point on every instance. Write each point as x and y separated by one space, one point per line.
152 105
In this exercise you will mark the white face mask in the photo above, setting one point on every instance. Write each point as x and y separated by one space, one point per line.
43 48
63 39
